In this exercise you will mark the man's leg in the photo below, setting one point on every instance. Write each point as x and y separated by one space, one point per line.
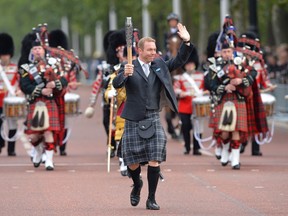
134 171
153 173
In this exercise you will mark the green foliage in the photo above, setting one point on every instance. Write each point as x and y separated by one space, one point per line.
19 16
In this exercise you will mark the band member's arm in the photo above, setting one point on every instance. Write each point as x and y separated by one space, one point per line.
28 86
61 83
249 79
120 79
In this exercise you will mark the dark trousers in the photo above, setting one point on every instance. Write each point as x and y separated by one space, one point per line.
169 116
106 118
186 129
11 133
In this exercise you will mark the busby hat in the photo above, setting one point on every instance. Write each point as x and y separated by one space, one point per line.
6 44
211 45
27 43
106 40
248 43
116 39
58 38
193 58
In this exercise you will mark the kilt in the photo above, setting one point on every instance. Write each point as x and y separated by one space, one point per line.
241 122
54 123
138 150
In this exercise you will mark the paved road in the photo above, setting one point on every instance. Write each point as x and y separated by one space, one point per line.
194 185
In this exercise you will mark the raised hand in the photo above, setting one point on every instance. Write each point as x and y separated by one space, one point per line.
183 33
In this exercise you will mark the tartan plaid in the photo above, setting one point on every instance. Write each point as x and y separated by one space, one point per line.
138 150
59 135
241 123
52 111
259 111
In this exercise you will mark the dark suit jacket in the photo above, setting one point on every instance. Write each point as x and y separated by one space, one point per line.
135 106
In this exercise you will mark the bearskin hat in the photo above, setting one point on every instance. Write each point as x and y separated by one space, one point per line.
193 58
27 43
211 45
116 39
106 40
58 38
6 44
249 41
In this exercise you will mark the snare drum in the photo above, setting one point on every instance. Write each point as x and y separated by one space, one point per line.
71 103
14 107
201 106
268 102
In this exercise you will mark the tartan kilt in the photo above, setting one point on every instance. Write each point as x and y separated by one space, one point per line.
138 150
54 123
241 122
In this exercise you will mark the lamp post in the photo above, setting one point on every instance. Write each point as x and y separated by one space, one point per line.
253 19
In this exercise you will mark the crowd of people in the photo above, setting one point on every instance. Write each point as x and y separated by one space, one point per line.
135 82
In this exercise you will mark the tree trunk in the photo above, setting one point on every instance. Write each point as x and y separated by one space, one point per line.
237 7
279 24
203 27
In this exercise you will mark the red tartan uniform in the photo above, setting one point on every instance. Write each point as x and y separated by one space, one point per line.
54 123
12 74
55 107
251 118
181 85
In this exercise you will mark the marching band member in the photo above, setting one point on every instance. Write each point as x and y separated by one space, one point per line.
57 38
120 96
11 72
144 139
114 41
238 108
249 44
43 84
185 92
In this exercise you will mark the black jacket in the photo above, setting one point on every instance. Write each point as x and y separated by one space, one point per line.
135 85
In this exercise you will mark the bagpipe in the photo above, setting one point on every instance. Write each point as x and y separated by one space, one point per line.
62 61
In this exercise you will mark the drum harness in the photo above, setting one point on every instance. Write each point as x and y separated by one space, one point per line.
12 93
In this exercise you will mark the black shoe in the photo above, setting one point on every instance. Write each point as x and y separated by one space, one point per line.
152 205
242 148
197 152
218 157
258 153
49 168
37 164
63 153
236 167
224 164
112 154
13 154
135 194
186 152
124 173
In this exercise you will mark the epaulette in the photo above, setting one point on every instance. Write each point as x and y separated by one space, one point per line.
117 67
25 67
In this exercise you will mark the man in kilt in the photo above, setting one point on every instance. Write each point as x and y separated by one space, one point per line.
46 109
148 87
238 108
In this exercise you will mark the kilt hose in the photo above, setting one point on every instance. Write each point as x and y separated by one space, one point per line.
54 123
138 150
241 123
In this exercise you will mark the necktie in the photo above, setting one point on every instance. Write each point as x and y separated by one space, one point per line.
146 69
